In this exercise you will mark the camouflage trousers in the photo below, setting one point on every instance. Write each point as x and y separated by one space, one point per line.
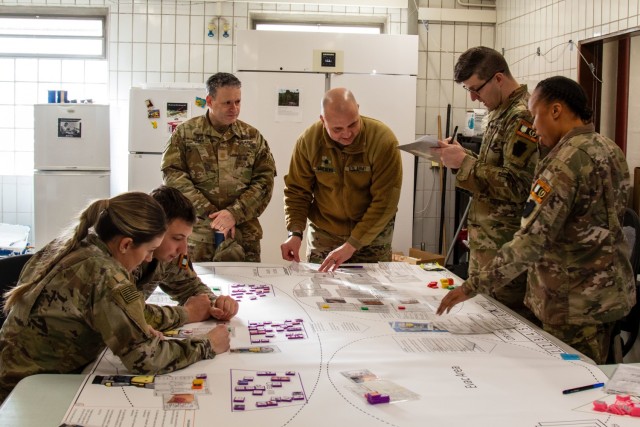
512 294
590 340
206 252
321 243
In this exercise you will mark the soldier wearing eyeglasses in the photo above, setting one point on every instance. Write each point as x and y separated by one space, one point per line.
499 176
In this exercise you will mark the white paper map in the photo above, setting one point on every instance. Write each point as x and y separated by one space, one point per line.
509 375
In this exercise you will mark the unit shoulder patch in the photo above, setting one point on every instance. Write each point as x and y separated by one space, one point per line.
184 263
540 191
525 130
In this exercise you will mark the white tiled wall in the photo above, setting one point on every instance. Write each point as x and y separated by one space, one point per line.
550 24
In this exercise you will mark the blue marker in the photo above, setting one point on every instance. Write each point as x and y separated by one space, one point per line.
583 388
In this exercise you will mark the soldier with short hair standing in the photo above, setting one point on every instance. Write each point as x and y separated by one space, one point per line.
224 166
570 238
499 177
345 178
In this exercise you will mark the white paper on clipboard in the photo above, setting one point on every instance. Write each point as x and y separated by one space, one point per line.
421 147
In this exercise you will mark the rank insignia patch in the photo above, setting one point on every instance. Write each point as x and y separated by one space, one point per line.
540 191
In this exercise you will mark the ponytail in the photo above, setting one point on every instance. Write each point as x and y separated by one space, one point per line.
136 215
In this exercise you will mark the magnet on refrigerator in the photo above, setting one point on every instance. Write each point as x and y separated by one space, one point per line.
154 114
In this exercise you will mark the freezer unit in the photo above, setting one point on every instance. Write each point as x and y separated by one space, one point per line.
260 109
60 196
71 137
385 90
144 171
72 161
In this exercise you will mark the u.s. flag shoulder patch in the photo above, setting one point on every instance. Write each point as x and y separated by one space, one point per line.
525 130
541 189
129 293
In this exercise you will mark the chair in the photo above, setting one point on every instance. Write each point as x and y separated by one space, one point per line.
10 268
631 322
631 228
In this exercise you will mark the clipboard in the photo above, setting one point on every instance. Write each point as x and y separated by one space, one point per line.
421 147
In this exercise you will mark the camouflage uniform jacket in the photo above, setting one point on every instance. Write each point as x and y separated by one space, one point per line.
85 303
233 171
346 191
177 282
499 177
571 236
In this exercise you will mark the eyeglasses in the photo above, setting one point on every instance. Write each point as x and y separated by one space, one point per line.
477 91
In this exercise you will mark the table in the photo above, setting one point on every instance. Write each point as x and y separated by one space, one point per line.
19 409
39 400
480 381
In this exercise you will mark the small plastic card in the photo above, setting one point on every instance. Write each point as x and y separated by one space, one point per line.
366 382
360 375
396 392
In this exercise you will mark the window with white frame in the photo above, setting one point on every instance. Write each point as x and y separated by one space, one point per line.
47 36
353 24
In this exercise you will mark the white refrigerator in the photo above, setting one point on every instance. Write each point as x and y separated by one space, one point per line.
380 70
71 162
154 113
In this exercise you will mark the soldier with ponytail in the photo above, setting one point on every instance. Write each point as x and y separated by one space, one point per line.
76 296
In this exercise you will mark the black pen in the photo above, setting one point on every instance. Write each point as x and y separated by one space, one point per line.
453 137
583 388
455 132
350 266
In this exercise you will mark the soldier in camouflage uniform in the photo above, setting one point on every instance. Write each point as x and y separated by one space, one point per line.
171 270
345 178
499 177
570 238
224 166
76 297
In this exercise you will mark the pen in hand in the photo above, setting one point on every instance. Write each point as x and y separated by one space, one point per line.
453 137
583 388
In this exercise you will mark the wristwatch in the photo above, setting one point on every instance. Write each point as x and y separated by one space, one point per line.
296 233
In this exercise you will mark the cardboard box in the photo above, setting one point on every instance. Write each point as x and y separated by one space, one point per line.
416 256
401 257
426 257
